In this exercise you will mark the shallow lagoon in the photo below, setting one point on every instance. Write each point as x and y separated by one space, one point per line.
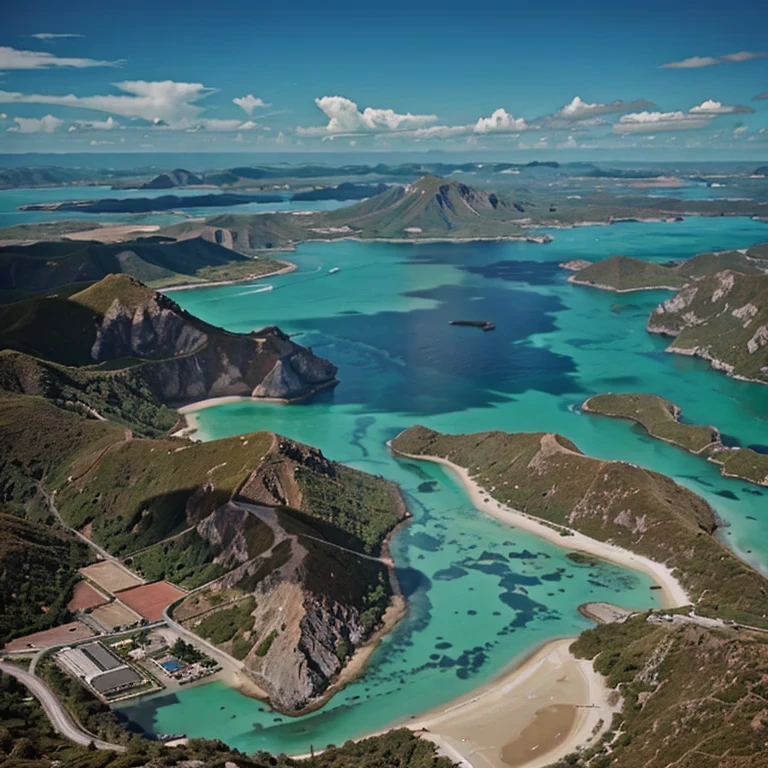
481 593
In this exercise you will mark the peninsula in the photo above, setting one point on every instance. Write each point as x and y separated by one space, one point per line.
661 419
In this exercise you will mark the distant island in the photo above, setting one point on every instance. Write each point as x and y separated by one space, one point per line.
661 419
151 204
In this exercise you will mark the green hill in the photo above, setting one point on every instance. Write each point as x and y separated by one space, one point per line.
429 208
39 569
693 696
624 273
230 512
545 475
722 318
661 419
175 178
125 328
45 266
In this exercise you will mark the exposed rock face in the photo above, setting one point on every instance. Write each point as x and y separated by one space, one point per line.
722 318
146 331
193 360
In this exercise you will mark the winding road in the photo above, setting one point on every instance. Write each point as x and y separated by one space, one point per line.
55 711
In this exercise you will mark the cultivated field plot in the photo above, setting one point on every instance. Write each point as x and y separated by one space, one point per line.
150 600
114 615
85 596
110 576
61 635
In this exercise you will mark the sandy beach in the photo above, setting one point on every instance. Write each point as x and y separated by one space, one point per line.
672 591
550 705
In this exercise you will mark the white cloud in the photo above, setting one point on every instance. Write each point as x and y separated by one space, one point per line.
650 122
52 35
740 130
280 138
500 122
580 110
344 118
47 124
216 124
569 143
711 107
156 101
98 143
696 62
12 58
94 125
439 132
3 116
249 103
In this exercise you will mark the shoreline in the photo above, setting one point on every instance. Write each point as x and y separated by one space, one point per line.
502 711
674 596
289 267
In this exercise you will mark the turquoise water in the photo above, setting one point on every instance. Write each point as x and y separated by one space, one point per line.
480 593
12 199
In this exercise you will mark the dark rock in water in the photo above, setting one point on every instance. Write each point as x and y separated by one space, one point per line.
728 495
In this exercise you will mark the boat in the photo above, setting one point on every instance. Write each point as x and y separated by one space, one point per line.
333 270
485 325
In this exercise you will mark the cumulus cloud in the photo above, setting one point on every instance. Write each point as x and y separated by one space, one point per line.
47 124
12 58
249 103
53 35
161 102
650 122
696 62
94 125
740 130
500 122
580 110
711 107
216 124
569 143
99 143
345 118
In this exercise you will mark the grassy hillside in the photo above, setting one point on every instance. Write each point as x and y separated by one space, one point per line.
624 273
546 475
119 336
45 266
38 569
722 318
429 208
693 697
661 419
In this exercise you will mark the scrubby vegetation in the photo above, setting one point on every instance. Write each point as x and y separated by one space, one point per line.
547 476
38 570
661 419
658 416
693 696
722 318
27 740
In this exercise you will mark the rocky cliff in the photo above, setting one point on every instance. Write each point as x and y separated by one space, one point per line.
187 359
723 319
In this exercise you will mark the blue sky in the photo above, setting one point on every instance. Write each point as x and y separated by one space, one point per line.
668 77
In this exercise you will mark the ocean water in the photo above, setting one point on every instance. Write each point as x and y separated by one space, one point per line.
481 593
12 199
